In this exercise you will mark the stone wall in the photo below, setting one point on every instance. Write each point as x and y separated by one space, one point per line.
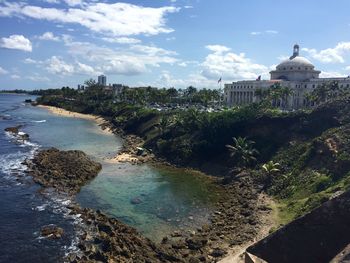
316 237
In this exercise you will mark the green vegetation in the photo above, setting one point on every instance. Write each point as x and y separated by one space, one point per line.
304 156
242 152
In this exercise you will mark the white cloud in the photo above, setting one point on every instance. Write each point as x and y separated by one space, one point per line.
330 55
186 63
83 69
49 36
218 49
170 38
331 74
55 65
18 42
37 78
188 6
29 61
122 40
271 32
283 57
266 32
126 60
73 2
229 65
194 79
52 1
14 76
255 33
118 19
2 71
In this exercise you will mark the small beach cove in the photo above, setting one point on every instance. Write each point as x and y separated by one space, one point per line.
220 214
156 200
186 212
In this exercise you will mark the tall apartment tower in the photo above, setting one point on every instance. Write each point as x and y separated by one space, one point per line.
102 80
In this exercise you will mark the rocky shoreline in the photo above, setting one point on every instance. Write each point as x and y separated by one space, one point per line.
105 239
236 220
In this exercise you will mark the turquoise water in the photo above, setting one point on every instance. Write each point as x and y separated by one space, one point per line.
155 200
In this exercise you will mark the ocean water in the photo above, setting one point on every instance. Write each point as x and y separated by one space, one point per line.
155 200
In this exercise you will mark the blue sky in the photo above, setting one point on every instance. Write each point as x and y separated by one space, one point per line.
55 43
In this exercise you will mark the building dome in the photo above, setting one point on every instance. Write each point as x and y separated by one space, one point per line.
295 63
296 68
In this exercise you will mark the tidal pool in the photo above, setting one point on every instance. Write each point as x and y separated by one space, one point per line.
155 200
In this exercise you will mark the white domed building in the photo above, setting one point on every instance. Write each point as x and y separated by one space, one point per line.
297 73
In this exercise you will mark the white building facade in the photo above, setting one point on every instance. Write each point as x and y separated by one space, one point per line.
296 73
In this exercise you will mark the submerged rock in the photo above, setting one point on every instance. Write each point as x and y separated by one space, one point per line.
136 201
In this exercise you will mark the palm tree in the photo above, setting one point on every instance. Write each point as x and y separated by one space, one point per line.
242 150
285 93
163 124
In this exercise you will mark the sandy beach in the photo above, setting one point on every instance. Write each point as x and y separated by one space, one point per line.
62 112
123 158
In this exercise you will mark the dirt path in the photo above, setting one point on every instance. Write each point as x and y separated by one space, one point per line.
268 220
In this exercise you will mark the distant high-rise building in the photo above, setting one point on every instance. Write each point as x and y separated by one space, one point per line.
102 80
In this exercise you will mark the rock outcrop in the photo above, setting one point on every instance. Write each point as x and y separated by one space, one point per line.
52 231
66 171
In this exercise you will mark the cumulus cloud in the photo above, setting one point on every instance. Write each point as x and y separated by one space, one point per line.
117 19
18 42
58 66
121 40
2 71
166 79
229 65
130 60
330 55
49 36
218 49
84 69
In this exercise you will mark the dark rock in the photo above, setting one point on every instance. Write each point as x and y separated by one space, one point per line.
14 130
64 170
196 243
52 231
217 252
